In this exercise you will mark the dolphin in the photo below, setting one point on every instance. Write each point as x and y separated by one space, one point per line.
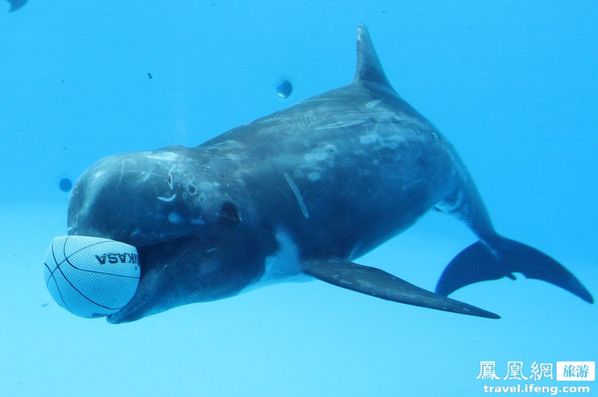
296 195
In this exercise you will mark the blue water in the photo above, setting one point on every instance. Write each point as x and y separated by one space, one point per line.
512 84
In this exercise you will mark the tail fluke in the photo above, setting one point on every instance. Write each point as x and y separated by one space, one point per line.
501 258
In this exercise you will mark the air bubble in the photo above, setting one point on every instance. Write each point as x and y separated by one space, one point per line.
284 88
65 184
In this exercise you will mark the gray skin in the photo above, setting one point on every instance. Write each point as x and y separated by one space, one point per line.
303 191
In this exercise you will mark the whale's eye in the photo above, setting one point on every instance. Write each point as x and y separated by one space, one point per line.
229 215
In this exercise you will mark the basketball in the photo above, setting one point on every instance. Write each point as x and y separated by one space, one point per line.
91 276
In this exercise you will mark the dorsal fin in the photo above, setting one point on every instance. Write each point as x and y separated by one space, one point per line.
369 68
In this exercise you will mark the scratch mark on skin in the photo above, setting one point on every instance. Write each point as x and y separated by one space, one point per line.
147 175
372 104
341 124
122 172
297 195
170 178
167 199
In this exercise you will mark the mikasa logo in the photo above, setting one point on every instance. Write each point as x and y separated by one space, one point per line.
113 258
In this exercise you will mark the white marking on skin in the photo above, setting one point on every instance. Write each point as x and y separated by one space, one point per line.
175 218
307 120
285 261
297 195
283 265
233 157
170 178
167 199
205 190
228 144
122 172
321 153
164 156
341 124
313 176
147 175
373 103
368 139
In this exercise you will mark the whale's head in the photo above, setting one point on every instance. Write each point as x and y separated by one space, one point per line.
167 205
142 198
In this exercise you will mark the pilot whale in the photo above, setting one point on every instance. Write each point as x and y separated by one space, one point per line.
299 194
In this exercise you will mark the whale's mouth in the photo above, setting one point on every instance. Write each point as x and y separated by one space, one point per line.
214 264
163 268
142 301
170 276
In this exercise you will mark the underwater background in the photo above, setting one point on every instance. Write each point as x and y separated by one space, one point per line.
512 84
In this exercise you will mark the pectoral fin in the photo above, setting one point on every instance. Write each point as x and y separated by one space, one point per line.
378 283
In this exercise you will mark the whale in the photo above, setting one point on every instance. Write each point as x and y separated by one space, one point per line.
299 195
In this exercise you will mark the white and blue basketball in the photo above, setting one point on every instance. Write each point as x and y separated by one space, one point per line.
91 276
